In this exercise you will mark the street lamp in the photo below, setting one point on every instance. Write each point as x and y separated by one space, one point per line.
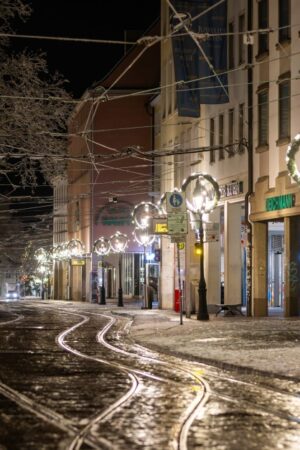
75 248
204 199
143 213
102 248
118 242
143 238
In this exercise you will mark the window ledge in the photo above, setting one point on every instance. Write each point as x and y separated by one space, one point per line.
285 43
262 148
283 141
262 56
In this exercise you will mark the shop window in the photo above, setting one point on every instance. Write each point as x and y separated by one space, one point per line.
212 140
263 117
284 108
263 23
284 22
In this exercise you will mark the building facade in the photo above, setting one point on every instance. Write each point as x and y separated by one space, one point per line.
221 126
275 203
252 131
109 170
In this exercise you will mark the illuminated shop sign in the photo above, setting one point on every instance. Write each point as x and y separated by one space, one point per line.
280 202
77 262
230 189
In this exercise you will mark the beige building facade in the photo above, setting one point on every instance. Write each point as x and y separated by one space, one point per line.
275 203
263 110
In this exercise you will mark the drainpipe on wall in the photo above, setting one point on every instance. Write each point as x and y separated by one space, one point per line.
250 163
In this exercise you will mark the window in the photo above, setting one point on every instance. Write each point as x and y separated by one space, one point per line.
212 140
231 46
179 160
169 87
263 117
221 136
263 23
284 15
284 108
241 127
241 37
231 131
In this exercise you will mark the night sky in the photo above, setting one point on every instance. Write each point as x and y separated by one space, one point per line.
84 63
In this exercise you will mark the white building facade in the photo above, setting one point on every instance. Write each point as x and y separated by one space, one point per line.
262 109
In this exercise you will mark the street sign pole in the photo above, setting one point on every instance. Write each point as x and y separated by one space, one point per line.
179 283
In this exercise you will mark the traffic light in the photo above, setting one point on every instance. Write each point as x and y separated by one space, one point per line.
157 255
197 248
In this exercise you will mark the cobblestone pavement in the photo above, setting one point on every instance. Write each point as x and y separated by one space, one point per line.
269 345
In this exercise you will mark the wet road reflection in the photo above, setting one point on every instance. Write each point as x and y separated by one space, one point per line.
91 387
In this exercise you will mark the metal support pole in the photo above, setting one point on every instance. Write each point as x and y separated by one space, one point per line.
42 288
145 280
120 292
179 284
102 288
202 313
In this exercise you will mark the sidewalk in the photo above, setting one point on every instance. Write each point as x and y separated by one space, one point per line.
270 345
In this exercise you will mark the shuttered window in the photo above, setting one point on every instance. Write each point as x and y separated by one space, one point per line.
221 136
241 127
212 140
263 117
241 39
284 16
231 131
284 109
263 23
231 46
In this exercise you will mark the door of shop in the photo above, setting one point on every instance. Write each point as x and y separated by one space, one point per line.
276 266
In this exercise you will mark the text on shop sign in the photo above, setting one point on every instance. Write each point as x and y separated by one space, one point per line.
280 202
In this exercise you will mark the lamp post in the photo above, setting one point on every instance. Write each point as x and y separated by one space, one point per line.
142 215
143 238
102 248
204 199
118 243
41 256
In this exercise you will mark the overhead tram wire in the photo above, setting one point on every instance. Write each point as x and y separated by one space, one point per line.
158 90
67 39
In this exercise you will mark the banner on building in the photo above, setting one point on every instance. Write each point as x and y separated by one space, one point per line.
190 63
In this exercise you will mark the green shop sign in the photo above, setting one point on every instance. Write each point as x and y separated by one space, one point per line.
280 202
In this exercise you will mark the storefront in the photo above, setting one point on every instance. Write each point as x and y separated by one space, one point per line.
275 214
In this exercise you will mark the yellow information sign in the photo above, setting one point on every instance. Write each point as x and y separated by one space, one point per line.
161 228
158 225
77 262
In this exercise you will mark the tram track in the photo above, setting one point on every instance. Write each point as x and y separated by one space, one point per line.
186 419
194 410
83 437
236 381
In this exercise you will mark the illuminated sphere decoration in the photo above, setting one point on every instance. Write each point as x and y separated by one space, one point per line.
143 213
205 193
291 158
118 242
57 252
102 246
75 248
41 255
143 237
